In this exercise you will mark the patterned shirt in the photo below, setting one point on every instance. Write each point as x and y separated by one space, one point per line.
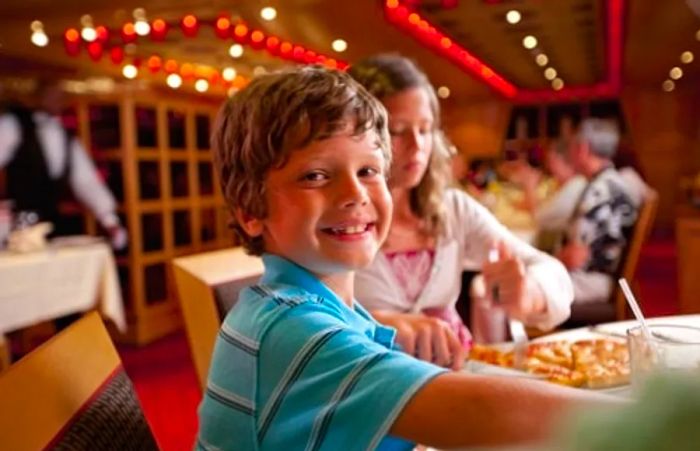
604 219
295 368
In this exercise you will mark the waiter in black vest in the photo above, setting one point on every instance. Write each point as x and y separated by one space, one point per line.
41 160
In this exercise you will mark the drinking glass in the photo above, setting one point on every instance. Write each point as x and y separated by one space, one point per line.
672 349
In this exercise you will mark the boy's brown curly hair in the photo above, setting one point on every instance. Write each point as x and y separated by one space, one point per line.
275 114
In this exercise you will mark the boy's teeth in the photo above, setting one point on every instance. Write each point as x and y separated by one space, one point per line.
350 230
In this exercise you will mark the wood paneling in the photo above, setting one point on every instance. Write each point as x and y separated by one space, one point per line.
664 134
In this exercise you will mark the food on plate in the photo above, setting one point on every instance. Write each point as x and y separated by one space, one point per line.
596 363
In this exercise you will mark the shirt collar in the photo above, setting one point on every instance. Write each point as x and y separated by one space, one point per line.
281 270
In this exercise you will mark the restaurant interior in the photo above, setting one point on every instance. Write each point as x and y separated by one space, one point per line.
141 84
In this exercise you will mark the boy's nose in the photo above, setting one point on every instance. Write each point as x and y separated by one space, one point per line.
352 192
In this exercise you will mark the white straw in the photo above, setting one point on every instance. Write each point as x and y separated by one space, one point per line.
635 308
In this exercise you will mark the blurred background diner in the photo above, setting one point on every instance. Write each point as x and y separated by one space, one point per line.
575 123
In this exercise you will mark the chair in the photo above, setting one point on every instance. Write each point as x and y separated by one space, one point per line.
208 286
72 393
616 309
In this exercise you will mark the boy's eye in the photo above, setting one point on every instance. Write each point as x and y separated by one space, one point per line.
369 171
314 176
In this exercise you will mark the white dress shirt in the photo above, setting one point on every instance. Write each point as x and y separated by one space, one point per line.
84 180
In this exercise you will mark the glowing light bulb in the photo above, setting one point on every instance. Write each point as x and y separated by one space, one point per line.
236 50
513 16
268 13
201 85
130 71
529 42
229 73
443 92
339 45
174 81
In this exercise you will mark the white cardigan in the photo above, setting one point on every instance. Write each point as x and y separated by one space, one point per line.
470 231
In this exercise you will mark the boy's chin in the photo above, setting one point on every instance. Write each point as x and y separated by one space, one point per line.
338 264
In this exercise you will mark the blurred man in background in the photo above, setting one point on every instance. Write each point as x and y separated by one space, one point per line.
41 160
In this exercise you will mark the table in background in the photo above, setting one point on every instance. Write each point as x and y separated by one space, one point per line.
58 281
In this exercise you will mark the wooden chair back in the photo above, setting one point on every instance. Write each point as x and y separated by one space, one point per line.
642 229
207 285
72 393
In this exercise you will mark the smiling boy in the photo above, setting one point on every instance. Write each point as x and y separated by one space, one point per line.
302 157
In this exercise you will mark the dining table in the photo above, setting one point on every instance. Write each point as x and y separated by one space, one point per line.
70 275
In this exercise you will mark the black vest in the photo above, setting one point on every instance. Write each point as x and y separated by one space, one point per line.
28 181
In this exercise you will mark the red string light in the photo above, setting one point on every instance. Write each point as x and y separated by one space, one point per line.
222 27
94 50
72 35
397 13
154 63
128 32
102 34
170 66
190 26
159 28
116 54
240 33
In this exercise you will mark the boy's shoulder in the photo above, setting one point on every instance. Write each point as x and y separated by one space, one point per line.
261 306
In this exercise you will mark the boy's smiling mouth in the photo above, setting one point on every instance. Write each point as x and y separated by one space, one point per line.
349 230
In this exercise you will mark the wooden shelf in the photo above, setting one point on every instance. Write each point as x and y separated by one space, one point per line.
168 196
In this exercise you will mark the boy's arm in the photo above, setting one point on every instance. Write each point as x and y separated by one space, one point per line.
455 409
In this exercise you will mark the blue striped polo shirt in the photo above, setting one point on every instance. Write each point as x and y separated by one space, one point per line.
295 368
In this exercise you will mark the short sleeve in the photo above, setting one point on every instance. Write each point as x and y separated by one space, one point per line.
328 385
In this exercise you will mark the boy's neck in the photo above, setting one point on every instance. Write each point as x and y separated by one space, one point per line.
342 284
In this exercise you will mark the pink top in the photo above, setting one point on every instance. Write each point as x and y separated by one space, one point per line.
412 271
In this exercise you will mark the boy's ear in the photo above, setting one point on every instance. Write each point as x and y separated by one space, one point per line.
250 224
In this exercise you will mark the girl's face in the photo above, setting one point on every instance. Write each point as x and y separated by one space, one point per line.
411 127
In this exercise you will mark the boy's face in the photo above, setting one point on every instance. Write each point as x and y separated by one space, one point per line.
328 207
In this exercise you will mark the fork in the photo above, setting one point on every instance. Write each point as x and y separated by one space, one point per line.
520 341
516 328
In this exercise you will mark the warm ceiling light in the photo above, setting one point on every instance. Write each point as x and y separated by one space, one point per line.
139 13
142 28
541 60
668 85
89 34
236 50
130 71
201 85
675 73
231 91
174 81
259 70
229 73
268 13
513 16
36 25
687 57
339 45
86 20
697 35
557 84
529 42
550 73
443 92
40 39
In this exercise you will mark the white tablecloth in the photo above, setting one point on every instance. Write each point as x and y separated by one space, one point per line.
47 284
